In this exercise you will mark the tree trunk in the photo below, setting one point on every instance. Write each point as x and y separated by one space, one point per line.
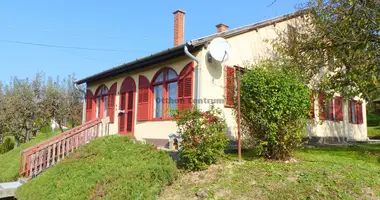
60 127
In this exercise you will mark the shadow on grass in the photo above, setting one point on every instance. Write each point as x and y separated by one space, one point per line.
359 150
247 154
376 127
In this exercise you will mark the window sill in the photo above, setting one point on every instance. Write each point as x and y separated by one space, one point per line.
162 119
229 106
330 120
356 123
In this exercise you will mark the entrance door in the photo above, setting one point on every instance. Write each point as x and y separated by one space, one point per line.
130 112
127 106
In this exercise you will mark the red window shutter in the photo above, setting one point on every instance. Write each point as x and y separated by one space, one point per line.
89 100
359 112
229 85
322 106
111 102
143 99
338 101
185 87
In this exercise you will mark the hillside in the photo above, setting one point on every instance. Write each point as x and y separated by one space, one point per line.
10 161
110 167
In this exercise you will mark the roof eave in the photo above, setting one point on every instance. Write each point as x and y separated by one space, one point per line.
143 62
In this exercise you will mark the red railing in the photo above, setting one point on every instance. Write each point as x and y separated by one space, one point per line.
37 158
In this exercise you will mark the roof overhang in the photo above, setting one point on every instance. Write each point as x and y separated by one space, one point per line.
140 63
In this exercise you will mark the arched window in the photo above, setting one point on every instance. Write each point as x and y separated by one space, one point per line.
164 86
101 99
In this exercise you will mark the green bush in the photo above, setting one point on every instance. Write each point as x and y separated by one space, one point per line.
7 145
110 167
203 137
373 119
274 109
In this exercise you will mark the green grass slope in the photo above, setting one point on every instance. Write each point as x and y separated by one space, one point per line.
110 167
10 161
337 172
374 132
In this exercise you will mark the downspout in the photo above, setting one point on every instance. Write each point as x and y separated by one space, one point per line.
197 75
84 103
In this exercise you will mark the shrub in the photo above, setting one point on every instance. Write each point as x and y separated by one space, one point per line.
203 137
7 145
274 109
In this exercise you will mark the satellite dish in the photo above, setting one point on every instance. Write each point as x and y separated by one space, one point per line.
219 49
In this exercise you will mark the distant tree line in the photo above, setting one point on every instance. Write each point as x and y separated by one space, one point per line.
28 105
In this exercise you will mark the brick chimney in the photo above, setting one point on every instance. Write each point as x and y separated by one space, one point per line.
179 27
221 27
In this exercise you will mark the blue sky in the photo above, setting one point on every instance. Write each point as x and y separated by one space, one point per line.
137 28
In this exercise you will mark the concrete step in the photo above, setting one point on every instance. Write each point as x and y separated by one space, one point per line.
9 189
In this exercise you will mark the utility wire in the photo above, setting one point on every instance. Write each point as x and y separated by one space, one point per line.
66 47
53 31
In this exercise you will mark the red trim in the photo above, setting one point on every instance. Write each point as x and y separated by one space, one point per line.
128 87
97 90
90 107
101 101
185 87
164 70
358 112
164 84
229 86
111 102
162 119
143 103
338 108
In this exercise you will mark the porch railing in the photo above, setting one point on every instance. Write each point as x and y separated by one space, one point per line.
36 159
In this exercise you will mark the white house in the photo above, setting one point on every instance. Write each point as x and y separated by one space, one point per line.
136 95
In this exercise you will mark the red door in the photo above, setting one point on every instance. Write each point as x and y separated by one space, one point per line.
127 106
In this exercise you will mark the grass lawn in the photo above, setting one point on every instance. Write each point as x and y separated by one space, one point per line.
110 167
373 131
10 161
348 172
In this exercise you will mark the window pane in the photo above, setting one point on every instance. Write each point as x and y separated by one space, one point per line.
105 103
158 101
99 92
172 95
160 77
104 90
353 112
97 107
171 75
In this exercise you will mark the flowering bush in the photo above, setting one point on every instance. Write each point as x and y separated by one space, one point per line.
203 137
